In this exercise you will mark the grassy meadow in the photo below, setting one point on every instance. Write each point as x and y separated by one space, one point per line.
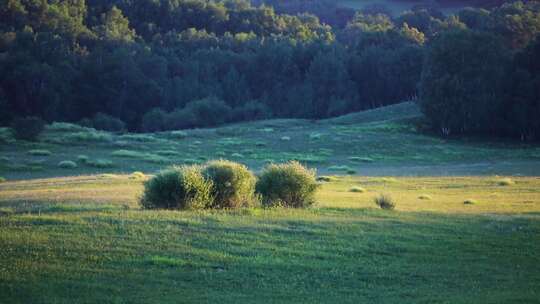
466 227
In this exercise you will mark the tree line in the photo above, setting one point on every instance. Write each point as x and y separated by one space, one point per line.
153 65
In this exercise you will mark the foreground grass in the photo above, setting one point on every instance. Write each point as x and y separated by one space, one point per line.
84 240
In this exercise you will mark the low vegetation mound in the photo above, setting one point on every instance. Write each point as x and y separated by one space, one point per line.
385 201
225 184
67 164
233 185
289 185
177 188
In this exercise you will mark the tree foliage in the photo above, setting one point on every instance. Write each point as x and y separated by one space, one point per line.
194 63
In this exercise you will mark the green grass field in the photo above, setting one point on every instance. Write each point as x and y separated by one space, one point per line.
459 233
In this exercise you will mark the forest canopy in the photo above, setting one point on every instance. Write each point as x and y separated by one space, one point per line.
153 65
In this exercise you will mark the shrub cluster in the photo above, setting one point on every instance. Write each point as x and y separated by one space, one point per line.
385 202
226 184
177 188
233 184
289 184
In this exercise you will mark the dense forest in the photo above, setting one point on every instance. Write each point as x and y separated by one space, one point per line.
153 65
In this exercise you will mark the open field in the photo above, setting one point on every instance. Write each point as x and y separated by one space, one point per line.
85 240
72 230
380 142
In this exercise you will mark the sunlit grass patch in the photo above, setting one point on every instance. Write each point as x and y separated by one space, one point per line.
166 261
147 157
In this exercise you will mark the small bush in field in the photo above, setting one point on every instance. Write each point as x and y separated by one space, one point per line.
177 188
289 184
39 152
233 185
357 189
326 179
83 159
505 182
28 128
137 175
470 202
67 164
2 180
385 202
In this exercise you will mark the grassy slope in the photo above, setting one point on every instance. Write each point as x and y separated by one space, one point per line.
378 142
83 239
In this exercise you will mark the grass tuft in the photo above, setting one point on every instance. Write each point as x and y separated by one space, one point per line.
470 202
67 164
83 159
137 175
505 182
357 189
385 201
326 179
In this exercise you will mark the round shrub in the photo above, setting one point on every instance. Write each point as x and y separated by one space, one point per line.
177 188
83 159
233 184
28 128
2 180
357 189
289 184
385 202
67 164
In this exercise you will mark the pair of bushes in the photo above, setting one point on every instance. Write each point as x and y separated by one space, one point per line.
225 184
